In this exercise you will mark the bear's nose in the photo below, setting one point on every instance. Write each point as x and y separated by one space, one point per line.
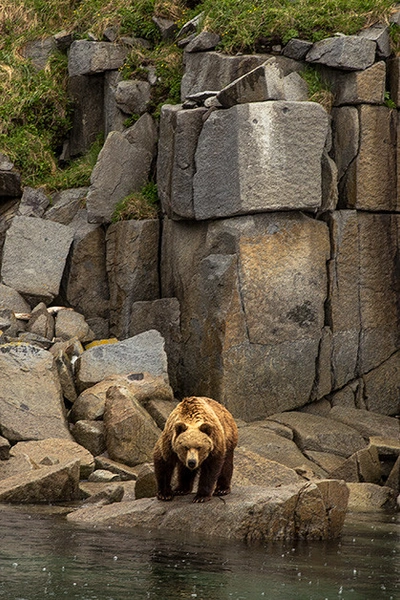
191 463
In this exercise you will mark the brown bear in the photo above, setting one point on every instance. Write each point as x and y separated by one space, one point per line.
200 435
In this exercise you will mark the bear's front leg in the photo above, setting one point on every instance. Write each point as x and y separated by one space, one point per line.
209 472
224 480
163 472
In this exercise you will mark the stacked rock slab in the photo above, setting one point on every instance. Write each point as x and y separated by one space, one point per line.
259 309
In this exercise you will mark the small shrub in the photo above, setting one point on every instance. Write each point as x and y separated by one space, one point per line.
138 205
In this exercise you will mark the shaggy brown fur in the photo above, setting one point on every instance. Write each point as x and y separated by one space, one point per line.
200 435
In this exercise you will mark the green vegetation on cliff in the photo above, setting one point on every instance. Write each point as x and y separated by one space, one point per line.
35 112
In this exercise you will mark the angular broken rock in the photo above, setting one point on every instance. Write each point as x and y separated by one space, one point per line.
358 87
273 447
34 256
256 514
245 162
313 432
132 267
206 40
90 435
133 96
369 497
297 49
380 34
10 179
88 58
31 403
65 204
250 468
41 322
70 324
60 451
91 402
367 422
33 202
262 83
129 430
348 52
11 299
122 167
143 352
164 316
59 483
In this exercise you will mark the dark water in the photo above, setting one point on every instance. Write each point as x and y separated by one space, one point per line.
43 556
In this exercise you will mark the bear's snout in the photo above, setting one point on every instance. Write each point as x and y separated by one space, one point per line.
192 463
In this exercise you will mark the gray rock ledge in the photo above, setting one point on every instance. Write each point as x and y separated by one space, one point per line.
253 514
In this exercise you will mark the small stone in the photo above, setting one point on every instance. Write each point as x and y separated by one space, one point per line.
167 27
146 486
101 476
63 40
206 40
33 203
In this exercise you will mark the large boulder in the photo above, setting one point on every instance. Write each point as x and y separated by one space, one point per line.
90 405
348 52
59 483
139 354
31 402
164 316
34 256
214 71
362 307
369 497
12 300
56 451
262 83
132 267
179 133
252 292
262 441
313 432
88 58
250 158
122 167
85 280
130 432
256 514
259 157
366 422
368 180
86 93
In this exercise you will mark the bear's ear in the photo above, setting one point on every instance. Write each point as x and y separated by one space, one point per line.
206 428
180 428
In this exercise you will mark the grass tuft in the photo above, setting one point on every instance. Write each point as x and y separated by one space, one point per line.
139 205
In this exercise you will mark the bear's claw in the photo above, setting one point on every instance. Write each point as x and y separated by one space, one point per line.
165 497
222 492
201 498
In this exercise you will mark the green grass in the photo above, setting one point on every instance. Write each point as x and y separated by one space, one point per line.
243 24
138 205
318 90
35 113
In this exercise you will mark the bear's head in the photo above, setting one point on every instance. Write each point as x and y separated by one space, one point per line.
192 444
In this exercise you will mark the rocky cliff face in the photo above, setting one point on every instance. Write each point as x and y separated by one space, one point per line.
272 274
279 233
